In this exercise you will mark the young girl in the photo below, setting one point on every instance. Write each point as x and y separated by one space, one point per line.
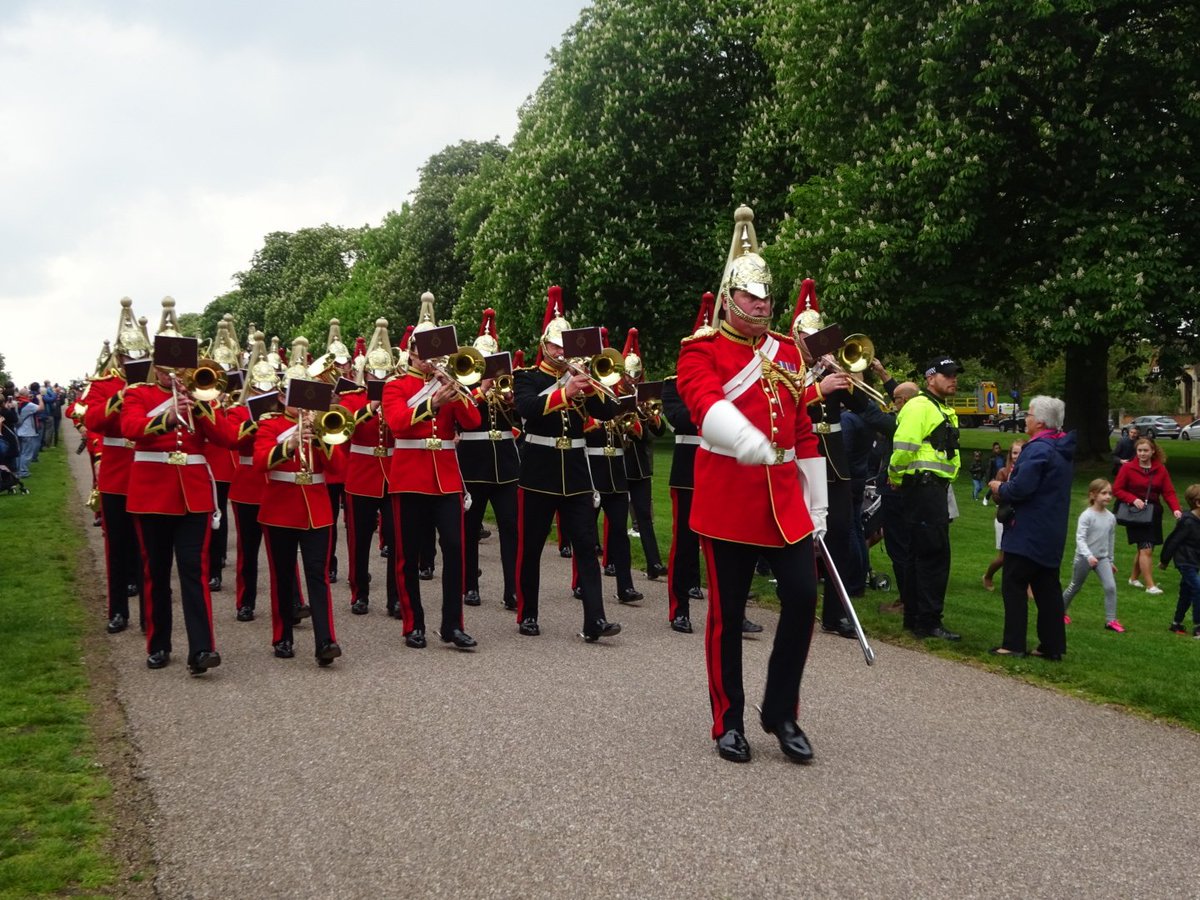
1095 543
978 468
994 566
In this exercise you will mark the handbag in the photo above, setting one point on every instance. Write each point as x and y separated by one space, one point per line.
1128 514
1005 513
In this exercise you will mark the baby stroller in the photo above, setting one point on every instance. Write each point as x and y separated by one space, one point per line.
9 454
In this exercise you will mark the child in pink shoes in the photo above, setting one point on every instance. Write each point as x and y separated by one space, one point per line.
1095 543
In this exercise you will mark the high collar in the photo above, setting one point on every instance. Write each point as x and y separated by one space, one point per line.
728 331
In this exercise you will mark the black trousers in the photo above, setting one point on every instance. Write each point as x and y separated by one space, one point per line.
120 555
616 539
855 573
838 539
683 563
313 544
249 540
417 517
897 544
1022 574
336 493
577 522
927 521
220 537
362 514
643 518
186 538
730 570
503 498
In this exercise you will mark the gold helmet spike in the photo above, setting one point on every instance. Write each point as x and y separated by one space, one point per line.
553 323
167 323
334 344
297 359
131 340
224 347
380 361
487 343
261 376
427 318
273 356
745 269
104 361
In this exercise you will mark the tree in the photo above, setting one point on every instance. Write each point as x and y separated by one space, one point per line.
997 171
618 186
5 378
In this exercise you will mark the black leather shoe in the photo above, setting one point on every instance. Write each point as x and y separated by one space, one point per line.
245 614
577 592
283 649
749 627
360 607
600 628
327 653
158 659
630 595
117 624
792 741
214 583
393 611
938 632
842 627
385 551
529 628
565 552
510 603
415 639
130 590
682 624
425 574
654 571
458 638
732 746
611 570
302 611
484 534
696 593
203 661
333 576
471 598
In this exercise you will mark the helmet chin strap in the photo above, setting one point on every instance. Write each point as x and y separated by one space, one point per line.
757 321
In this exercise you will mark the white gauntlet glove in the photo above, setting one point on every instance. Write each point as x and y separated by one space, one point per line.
724 426
816 492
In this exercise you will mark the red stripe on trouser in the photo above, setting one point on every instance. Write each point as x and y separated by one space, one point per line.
351 547
147 584
397 560
462 560
713 629
521 551
247 552
562 541
277 630
328 592
109 562
205 559
673 601
607 525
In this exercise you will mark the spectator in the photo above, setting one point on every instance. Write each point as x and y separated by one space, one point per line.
1123 452
996 462
978 470
1184 546
46 418
1141 482
28 409
1002 474
1095 545
1039 489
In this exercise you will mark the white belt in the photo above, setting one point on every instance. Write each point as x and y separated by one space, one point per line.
246 460
494 435
425 444
175 457
605 451
560 443
781 455
298 477
687 439
826 428
365 450
117 442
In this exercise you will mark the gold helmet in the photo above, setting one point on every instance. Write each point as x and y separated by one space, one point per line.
553 323
427 318
297 360
745 269
167 323
807 318
273 356
632 354
334 345
261 376
224 346
380 361
104 362
487 342
131 339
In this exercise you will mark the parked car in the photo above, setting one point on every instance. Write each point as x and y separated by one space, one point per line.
1156 426
1008 423
1191 432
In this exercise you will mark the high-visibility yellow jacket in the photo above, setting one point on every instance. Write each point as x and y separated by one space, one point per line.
915 446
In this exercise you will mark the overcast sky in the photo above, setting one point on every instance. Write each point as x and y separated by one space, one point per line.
149 145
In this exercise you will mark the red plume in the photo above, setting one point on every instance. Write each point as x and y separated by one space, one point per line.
631 343
488 324
407 336
705 315
553 305
604 336
519 359
360 346
807 298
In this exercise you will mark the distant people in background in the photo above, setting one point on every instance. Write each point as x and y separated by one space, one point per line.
1039 489
996 462
1002 475
1095 548
978 470
1123 451
28 407
48 417
1141 481
1183 545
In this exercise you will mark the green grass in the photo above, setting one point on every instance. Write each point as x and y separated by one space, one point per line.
1144 670
51 832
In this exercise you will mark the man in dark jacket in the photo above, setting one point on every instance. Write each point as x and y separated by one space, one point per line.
1039 489
1123 451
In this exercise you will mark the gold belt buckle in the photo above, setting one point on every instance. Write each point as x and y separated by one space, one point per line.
177 458
494 435
304 478
610 451
433 443
562 443
129 445
780 455
821 428
381 451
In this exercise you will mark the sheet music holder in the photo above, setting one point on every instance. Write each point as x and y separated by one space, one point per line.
305 393
828 340
262 404
497 364
649 390
578 342
435 342
176 352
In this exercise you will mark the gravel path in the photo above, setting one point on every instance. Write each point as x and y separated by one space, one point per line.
544 767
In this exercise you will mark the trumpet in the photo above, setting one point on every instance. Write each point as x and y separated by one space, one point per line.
604 370
334 426
207 381
648 409
501 390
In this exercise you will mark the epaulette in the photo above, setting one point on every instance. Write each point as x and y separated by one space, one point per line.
141 384
357 390
783 338
271 415
699 337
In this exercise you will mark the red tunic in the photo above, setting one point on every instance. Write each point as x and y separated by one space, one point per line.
103 419
155 484
290 503
424 469
370 448
248 482
760 504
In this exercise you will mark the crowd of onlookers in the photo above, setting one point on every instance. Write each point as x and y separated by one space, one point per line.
32 422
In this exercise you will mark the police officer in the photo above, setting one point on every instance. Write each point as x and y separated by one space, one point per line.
925 460
759 490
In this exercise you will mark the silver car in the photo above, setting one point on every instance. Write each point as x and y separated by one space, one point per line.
1156 426
1191 432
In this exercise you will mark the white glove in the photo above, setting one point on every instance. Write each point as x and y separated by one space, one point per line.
724 426
816 492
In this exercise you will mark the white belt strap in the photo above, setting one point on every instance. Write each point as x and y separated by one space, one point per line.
503 434
425 444
365 450
162 456
161 408
424 393
117 442
826 427
298 477
605 451
567 443
781 455
246 460
687 439
751 372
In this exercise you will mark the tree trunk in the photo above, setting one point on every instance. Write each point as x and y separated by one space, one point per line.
1087 399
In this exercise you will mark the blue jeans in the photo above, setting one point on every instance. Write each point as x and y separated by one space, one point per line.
976 488
1189 594
29 448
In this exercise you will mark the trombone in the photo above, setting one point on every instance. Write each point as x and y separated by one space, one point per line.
461 370
334 426
854 356
603 371
501 391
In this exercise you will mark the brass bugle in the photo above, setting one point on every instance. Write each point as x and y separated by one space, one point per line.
501 390
207 381
334 426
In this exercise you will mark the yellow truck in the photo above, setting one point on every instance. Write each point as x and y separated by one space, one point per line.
977 407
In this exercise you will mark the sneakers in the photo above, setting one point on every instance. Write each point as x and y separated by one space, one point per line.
1133 582
1067 620
1116 626
1154 590
1178 628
